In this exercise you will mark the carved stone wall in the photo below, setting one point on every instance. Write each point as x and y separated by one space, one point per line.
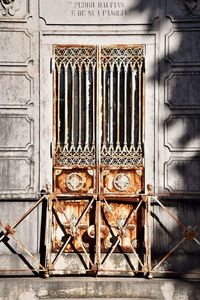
181 118
170 32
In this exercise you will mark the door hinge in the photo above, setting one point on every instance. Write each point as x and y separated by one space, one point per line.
50 65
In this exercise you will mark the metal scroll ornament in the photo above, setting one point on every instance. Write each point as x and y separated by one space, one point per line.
9 7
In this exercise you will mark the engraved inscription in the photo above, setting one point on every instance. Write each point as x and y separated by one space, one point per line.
98 9
96 12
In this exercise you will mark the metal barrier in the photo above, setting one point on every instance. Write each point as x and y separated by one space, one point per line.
106 228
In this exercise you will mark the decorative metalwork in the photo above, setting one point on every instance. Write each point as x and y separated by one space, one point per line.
76 105
74 182
121 182
66 157
122 105
74 108
9 7
122 157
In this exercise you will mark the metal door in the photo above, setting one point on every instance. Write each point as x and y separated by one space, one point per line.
98 168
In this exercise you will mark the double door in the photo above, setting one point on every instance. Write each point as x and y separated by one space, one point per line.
98 169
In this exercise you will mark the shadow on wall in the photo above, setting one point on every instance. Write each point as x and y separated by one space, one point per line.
179 119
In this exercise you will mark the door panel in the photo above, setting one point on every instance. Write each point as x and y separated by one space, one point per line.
98 169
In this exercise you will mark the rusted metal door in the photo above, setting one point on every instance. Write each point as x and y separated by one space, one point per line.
98 169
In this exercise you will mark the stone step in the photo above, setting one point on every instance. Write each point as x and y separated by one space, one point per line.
98 288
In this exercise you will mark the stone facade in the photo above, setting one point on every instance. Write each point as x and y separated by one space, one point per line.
170 31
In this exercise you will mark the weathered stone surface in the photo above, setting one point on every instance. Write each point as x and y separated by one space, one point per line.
183 10
15 89
182 174
182 90
183 47
16 174
94 288
16 132
15 47
97 12
182 133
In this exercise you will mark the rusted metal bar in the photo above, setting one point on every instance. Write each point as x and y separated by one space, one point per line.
197 241
11 234
79 104
139 103
48 236
54 104
73 106
25 215
93 106
169 212
118 105
98 234
111 105
132 103
125 104
85 211
87 106
84 250
148 236
137 256
58 107
104 104
168 254
61 250
66 104
111 212
99 124
112 250
134 211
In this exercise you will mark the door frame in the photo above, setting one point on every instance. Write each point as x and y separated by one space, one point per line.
46 95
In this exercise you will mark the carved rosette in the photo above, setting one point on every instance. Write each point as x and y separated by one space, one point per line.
9 7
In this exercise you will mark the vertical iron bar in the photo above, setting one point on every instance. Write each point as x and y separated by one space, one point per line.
54 103
93 105
87 106
98 121
66 104
58 108
148 235
118 105
140 102
132 103
125 104
104 105
73 106
79 105
143 87
98 159
111 105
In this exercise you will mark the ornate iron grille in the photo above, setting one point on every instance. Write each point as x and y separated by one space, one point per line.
98 155
87 78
